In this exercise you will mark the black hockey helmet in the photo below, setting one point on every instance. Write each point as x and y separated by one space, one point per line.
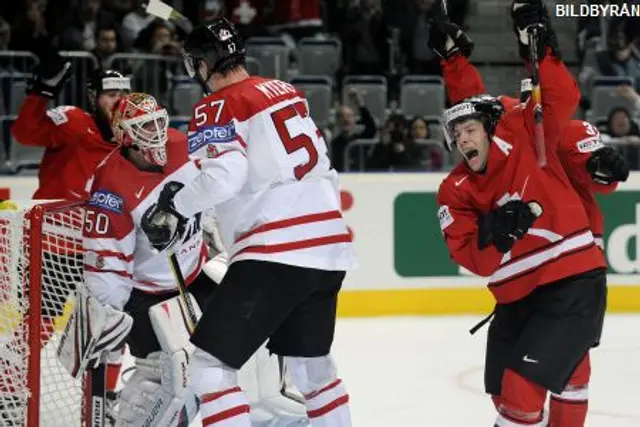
486 108
218 44
104 80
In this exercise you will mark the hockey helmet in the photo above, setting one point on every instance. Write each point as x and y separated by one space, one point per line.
138 121
104 80
218 44
486 108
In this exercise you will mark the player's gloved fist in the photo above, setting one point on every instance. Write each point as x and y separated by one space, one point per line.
606 166
162 224
447 40
528 15
50 75
510 222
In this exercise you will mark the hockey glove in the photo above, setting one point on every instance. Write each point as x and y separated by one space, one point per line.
447 40
606 166
510 222
527 13
50 75
162 224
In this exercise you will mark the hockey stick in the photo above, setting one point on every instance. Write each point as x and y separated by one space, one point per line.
96 408
536 96
164 11
444 8
182 287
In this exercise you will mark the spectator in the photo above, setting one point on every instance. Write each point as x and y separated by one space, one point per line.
29 29
157 38
433 158
106 39
80 32
620 126
395 151
364 35
133 23
349 129
623 132
298 18
621 59
415 37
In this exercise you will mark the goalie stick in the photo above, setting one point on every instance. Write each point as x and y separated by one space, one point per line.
163 11
182 287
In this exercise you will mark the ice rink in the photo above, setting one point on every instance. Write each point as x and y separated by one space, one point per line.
427 371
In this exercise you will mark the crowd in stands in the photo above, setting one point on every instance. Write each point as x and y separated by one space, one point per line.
386 38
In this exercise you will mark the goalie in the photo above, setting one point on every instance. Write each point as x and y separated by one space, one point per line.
130 294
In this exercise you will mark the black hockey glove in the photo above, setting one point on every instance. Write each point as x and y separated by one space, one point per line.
527 13
446 39
50 75
510 222
606 166
162 224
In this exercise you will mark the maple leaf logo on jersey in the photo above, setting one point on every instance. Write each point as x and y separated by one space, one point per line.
212 151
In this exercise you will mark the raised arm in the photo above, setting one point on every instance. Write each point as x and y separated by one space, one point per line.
35 125
560 93
454 47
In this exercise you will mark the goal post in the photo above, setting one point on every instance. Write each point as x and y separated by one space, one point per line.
40 266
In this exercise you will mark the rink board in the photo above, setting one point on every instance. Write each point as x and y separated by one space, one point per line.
405 267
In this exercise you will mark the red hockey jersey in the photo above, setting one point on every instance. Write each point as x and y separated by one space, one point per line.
117 254
560 243
73 147
578 141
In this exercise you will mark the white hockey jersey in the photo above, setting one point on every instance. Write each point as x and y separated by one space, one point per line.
266 171
117 254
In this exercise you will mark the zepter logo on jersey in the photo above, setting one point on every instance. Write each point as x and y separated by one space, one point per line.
139 121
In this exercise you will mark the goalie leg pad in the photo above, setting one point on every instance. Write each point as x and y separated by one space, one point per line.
325 396
93 329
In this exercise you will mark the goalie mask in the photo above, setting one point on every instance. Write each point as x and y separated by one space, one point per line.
484 108
138 121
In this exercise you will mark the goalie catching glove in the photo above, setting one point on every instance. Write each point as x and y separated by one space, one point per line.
93 329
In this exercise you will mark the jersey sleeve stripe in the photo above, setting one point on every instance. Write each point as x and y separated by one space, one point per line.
290 222
299 244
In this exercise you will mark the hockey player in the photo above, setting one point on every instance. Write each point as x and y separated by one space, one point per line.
75 141
265 170
124 274
503 216
591 168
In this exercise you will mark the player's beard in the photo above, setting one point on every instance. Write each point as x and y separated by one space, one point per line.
102 122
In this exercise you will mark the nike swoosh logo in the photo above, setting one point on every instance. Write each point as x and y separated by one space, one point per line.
529 360
461 180
139 193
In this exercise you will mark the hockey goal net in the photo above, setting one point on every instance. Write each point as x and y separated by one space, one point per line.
40 266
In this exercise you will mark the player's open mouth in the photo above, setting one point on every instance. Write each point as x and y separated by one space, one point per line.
470 154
